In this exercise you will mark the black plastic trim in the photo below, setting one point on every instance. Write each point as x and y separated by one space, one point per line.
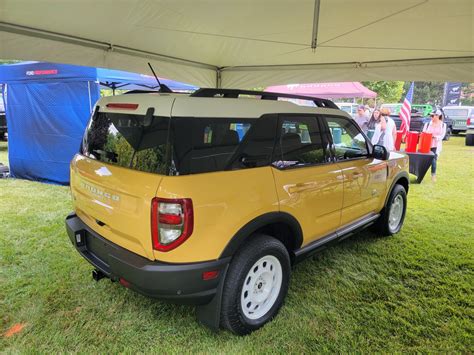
340 234
235 93
260 222
180 283
396 179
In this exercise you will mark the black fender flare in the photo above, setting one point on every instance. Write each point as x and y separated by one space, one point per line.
396 179
259 222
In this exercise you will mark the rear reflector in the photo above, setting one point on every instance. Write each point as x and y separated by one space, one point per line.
124 282
122 106
209 275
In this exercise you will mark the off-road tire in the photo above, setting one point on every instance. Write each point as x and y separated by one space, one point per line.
383 225
232 316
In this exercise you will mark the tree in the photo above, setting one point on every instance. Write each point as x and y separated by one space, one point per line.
426 92
387 91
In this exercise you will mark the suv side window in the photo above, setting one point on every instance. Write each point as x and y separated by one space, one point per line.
348 141
299 142
257 146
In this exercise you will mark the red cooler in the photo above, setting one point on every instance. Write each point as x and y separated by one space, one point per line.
425 142
412 141
398 141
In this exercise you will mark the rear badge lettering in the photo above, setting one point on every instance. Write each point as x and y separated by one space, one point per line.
98 192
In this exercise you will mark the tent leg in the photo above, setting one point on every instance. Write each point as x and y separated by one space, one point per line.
218 78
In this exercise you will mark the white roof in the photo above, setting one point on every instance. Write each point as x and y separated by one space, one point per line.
185 106
244 43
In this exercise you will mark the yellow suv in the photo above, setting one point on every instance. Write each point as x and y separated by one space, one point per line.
210 198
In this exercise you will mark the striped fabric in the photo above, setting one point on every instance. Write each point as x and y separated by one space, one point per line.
405 111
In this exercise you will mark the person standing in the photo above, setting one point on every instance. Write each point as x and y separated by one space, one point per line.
385 130
361 119
438 130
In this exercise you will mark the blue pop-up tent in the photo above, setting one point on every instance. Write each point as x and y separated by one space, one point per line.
48 106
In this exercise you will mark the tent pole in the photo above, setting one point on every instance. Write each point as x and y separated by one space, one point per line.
314 39
218 78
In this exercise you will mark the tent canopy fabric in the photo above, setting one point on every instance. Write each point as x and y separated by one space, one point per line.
326 90
244 43
44 71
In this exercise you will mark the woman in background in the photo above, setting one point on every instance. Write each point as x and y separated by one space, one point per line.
385 130
438 130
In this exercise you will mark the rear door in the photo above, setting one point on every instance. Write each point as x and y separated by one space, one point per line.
308 184
124 156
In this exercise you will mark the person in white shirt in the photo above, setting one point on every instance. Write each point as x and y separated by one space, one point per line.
385 130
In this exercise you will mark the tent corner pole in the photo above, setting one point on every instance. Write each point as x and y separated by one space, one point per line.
218 78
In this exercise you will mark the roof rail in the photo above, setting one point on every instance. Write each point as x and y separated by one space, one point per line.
141 92
264 95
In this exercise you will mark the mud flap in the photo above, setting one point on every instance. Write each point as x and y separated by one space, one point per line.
210 314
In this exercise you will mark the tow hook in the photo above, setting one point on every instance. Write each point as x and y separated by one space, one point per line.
97 275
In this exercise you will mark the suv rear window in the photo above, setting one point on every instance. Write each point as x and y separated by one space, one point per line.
177 146
456 112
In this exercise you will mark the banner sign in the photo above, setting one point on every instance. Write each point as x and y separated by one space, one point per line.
452 94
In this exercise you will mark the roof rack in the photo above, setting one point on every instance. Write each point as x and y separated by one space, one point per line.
234 94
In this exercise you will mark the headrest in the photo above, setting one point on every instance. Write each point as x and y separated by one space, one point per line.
290 139
231 137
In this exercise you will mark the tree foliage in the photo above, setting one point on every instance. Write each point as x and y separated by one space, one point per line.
387 91
426 92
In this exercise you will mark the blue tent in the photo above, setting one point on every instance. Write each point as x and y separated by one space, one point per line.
48 106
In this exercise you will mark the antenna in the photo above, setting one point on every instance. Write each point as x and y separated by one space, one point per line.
163 87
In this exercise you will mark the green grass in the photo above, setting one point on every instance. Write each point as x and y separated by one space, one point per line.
410 292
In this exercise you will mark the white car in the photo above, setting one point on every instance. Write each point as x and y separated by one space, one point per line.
459 115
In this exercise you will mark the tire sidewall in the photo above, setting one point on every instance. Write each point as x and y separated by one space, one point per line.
285 266
397 190
232 315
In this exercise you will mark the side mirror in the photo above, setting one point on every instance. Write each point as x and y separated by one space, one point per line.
380 152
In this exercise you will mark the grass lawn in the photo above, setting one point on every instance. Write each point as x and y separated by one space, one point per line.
410 292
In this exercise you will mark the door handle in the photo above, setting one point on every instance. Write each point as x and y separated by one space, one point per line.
356 175
301 187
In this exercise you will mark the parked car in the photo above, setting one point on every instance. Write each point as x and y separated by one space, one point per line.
172 202
418 121
348 107
459 116
424 110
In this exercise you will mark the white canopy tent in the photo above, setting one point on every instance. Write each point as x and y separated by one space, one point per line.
249 43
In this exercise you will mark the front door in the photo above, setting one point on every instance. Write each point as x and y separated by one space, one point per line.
365 178
309 185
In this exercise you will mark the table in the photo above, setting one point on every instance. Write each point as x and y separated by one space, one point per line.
419 164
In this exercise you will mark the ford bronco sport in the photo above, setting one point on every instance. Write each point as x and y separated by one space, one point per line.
210 198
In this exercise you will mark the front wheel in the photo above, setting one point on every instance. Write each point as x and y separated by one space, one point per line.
256 284
392 217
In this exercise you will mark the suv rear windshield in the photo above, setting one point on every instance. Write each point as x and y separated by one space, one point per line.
177 146
456 112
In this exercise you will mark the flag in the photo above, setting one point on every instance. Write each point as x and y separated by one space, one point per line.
405 111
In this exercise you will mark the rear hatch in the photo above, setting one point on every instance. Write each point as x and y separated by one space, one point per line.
117 174
458 115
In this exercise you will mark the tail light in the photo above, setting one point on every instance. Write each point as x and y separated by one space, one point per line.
172 222
468 121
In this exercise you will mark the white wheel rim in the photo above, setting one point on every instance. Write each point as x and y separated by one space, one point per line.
261 287
396 212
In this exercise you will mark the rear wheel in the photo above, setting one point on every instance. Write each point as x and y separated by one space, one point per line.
469 139
393 215
256 285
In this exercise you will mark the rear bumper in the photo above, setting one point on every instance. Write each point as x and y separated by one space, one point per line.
180 283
